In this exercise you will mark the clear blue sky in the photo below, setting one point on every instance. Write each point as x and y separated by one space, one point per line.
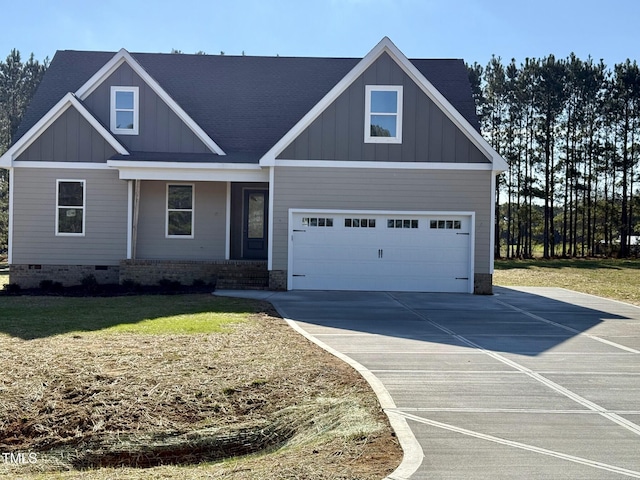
469 29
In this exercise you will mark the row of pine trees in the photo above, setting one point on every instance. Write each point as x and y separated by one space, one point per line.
570 131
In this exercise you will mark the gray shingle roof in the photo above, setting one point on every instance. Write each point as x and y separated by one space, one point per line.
245 104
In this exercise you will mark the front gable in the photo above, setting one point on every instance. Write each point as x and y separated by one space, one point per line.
159 127
163 125
435 134
428 135
66 129
69 138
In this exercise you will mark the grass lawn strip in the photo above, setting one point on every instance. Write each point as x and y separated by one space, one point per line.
94 397
609 278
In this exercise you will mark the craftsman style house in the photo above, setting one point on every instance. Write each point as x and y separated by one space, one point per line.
287 173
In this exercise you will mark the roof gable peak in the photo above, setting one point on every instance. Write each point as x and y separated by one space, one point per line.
386 46
123 56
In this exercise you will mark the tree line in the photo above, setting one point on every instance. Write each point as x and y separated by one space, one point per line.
570 131
18 82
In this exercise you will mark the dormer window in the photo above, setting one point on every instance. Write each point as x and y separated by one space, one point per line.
383 114
124 110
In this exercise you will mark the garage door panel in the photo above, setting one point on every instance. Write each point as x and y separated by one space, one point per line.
406 252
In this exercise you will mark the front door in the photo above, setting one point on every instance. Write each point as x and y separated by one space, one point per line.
254 224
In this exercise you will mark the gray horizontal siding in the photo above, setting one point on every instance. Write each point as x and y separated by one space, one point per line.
70 138
160 129
34 212
372 189
209 225
428 135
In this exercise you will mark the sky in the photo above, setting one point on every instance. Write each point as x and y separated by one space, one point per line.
470 29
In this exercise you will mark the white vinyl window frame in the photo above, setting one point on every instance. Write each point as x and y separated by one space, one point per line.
82 207
134 110
170 210
369 90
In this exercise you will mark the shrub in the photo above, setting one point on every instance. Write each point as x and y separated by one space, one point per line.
12 288
89 283
169 285
51 286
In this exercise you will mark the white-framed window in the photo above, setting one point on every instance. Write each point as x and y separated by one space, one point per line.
383 114
124 110
180 202
70 207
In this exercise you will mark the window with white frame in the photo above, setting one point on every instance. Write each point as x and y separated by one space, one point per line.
383 114
180 200
70 207
124 110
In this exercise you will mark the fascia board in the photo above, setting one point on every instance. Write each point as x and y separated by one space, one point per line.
123 56
66 102
183 165
268 158
384 165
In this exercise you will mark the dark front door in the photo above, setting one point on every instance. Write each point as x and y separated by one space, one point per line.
254 224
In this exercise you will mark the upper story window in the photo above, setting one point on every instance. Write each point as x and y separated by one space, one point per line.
124 110
70 207
383 114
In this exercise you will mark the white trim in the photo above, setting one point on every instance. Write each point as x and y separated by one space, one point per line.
188 172
311 211
58 233
192 210
184 165
69 100
386 46
385 165
129 219
369 89
114 110
61 165
227 224
10 220
123 56
272 182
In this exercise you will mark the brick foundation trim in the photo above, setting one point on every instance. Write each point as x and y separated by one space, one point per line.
30 276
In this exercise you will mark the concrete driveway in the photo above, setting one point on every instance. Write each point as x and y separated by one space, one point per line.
528 383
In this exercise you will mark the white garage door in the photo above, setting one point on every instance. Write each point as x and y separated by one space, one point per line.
419 252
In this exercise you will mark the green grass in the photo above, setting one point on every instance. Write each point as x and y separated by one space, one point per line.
31 317
610 278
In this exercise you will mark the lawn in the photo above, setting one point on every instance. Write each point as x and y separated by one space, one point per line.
611 278
178 386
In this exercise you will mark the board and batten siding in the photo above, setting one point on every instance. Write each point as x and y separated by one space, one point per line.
160 129
209 225
428 135
70 138
35 210
382 189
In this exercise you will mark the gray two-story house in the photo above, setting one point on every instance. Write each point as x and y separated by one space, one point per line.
287 173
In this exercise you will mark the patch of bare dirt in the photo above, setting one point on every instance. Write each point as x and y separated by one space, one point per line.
104 406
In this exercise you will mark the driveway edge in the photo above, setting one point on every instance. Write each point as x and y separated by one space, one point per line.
413 455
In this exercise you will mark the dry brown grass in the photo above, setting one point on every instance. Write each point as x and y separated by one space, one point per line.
101 405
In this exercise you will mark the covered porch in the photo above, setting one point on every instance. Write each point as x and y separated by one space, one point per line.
196 222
